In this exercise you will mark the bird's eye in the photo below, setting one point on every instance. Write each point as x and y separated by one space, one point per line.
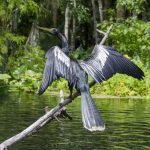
55 30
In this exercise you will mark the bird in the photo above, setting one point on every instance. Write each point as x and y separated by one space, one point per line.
64 46
101 64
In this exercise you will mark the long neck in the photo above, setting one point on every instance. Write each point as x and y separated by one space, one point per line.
64 43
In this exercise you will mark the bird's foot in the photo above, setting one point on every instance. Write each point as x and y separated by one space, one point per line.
60 104
57 118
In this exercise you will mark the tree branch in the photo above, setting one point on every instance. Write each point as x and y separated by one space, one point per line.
106 35
48 116
101 32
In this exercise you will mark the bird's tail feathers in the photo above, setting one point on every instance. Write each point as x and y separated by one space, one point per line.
90 115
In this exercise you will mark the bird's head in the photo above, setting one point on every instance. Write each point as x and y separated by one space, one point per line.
53 31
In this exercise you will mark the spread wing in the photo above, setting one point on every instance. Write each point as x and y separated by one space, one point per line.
105 61
57 65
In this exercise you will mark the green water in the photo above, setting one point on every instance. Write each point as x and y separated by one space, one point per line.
127 124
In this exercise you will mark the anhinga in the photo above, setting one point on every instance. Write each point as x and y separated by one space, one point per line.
100 65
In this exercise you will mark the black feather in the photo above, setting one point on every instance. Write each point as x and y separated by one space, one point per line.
104 62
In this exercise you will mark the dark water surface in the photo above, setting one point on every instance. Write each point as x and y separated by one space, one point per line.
127 124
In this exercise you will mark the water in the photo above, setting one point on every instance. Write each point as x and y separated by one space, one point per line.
127 124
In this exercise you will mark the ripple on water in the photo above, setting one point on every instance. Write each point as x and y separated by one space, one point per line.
127 124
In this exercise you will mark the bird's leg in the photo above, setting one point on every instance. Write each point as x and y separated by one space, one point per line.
70 96
65 114
71 90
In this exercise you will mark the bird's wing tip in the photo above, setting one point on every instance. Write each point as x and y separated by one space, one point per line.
40 92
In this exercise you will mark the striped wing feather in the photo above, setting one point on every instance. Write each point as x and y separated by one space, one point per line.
105 61
57 65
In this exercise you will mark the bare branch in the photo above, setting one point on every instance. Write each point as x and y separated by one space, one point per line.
106 35
101 32
35 126
48 116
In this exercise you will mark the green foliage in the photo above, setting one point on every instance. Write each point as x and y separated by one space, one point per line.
110 14
136 6
79 53
10 42
4 80
60 84
28 6
7 8
131 37
4 16
26 80
123 85
25 64
5 39
81 13
18 39
26 67
3 46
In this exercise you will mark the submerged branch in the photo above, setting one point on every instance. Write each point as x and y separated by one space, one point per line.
49 115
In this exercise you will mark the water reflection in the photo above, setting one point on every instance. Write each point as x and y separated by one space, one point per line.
127 124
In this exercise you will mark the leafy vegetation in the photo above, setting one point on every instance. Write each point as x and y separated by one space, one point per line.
123 85
4 82
22 55
131 37
136 6
27 70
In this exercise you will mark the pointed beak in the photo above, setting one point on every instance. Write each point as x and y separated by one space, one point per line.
50 30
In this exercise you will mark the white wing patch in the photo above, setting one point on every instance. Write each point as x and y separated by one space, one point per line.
102 55
62 57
